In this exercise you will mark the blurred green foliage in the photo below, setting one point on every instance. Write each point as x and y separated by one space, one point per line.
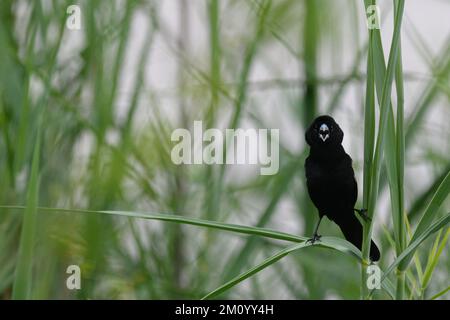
84 126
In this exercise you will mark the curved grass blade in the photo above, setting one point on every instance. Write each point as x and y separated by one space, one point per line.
412 247
437 295
264 232
325 242
434 258
344 246
430 213
269 261
432 209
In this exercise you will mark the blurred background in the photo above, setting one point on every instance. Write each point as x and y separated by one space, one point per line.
110 94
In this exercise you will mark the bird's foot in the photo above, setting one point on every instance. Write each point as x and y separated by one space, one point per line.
314 238
363 214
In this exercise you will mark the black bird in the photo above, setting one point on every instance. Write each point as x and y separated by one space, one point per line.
331 181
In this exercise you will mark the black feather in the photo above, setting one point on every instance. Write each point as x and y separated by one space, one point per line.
331 180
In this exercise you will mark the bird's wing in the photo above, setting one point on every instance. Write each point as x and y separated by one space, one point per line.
349 182
313 175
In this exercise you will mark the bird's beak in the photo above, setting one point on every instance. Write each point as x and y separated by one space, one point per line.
324 137
324 132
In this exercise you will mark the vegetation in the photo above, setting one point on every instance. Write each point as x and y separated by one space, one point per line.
86 118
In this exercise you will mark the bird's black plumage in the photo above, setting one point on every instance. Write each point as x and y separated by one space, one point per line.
331 180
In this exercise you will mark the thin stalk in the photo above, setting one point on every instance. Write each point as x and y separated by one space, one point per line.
401 282
369 140
400 135
176 231
212 190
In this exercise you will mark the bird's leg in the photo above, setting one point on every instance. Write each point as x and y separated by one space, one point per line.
315 237
363 214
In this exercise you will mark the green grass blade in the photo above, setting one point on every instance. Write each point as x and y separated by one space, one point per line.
325 242
369 125
389 288
23 273
385 128
434 259
432 210
399 213
269 261
369 142
184 220
437 295
412 247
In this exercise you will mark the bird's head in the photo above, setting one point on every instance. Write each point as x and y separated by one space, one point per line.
324 131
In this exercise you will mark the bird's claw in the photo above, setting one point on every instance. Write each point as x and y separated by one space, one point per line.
363 214
314 238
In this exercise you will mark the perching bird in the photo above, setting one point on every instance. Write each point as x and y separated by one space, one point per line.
331 181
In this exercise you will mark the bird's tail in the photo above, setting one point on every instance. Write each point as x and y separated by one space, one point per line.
353 231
